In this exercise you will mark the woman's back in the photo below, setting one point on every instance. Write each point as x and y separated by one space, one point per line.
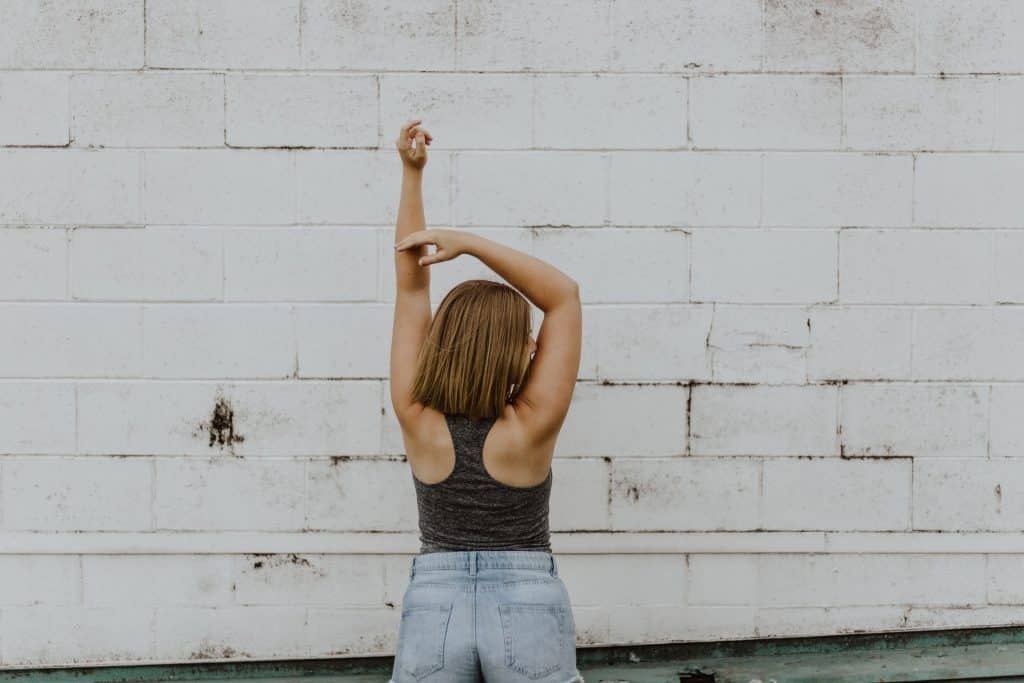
476 490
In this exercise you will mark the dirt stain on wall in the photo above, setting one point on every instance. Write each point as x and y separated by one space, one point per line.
220 428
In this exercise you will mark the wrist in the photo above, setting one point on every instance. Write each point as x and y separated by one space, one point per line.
411 171
471 243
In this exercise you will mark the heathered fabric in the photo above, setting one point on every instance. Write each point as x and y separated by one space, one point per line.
470 510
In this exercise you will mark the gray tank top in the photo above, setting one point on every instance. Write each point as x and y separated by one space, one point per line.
471 510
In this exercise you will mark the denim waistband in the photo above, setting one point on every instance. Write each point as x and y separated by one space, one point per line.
468 561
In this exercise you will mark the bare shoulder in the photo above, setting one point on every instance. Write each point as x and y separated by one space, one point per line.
514 441
517 436
428 448
423 429
515 428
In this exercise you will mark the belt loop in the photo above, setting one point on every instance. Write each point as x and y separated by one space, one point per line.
412 568
472 562
554 566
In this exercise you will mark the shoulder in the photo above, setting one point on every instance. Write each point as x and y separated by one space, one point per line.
425 428
515 438
422 426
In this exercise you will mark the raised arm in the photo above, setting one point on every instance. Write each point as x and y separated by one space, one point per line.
543 284
544 402
409 276
412 283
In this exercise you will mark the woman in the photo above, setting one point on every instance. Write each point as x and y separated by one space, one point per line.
484 601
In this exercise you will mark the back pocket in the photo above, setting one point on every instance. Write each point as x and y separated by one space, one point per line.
534 635
421 636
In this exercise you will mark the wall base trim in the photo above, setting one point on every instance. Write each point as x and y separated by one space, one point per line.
569 543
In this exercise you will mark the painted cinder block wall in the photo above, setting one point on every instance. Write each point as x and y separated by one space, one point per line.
799 230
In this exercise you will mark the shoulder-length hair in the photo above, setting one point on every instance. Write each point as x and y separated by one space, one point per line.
475 358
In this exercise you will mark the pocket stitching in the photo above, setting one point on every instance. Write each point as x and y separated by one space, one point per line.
515 582
437 662
557 611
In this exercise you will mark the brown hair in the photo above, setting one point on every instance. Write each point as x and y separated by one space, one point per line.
475 358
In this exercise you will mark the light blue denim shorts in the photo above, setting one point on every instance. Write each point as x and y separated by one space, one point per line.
500 616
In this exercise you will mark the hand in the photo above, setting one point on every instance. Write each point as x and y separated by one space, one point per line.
414 157
448 244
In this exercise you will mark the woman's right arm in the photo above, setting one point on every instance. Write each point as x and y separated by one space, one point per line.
541 283
544 402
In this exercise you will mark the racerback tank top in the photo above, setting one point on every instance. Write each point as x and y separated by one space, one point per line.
470 510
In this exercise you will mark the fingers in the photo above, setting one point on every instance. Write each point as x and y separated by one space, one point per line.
414 240
422 140
413 129
409 124
429 259
419 238
405 134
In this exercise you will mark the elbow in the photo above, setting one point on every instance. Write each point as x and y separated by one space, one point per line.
572 291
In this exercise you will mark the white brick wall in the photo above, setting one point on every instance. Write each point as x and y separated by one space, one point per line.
799 230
